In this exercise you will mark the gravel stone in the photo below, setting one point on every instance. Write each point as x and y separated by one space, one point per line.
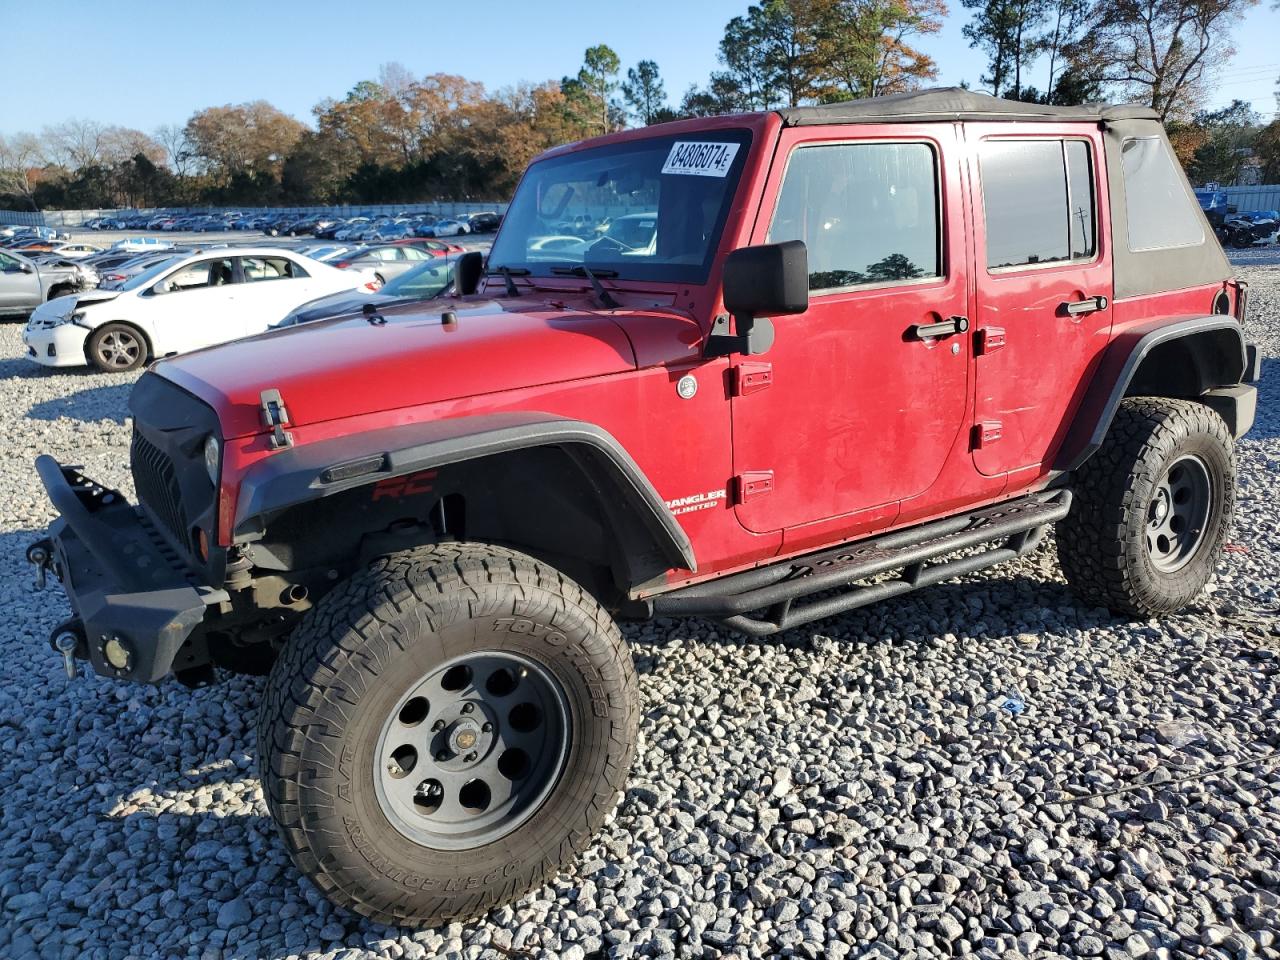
843 790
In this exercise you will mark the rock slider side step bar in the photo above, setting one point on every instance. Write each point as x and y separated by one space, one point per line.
1009 530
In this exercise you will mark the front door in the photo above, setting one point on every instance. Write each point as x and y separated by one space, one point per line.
859 400
19 291
199 309
1043 303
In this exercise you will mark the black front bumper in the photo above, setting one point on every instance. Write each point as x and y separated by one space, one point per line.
124 580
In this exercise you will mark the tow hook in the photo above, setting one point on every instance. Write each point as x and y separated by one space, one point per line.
69 640
66 644
40 555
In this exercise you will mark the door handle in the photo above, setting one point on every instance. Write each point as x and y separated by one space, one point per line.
1076 308
925 331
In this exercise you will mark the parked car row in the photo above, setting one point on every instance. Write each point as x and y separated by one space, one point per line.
296 224
116 309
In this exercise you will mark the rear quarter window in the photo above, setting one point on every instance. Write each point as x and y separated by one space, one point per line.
1160 212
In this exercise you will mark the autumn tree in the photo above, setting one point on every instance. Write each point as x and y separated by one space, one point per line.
644 92
861 47
245 139
1224 137
1160 52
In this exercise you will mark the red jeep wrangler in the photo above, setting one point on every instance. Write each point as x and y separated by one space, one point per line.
761 369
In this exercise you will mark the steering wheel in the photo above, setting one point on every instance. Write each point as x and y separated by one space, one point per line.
618 244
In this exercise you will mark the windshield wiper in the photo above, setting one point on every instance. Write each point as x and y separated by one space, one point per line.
507 273
606 299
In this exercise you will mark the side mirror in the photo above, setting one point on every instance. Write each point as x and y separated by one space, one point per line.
467 271
164 286
26 268
768 280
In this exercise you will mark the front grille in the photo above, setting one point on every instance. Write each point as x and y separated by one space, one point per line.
157 484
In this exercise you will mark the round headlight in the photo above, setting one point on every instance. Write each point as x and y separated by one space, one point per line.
211 455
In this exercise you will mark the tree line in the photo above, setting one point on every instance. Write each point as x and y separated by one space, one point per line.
400 137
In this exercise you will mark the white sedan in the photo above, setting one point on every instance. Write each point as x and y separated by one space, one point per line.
181 304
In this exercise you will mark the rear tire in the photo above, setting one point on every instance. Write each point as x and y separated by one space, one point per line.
359 707
116 348
1152 508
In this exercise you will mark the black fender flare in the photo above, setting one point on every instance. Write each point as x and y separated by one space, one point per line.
1220 336
301 474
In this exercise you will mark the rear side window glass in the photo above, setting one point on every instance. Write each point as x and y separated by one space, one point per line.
1038 200
269 268
1080 200
868 213
1157 206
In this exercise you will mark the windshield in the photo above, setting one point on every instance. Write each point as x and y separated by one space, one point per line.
427 280
646 210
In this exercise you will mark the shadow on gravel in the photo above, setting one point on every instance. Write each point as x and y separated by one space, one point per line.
90 405
20 368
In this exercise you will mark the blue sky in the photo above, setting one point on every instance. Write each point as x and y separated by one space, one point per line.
144 64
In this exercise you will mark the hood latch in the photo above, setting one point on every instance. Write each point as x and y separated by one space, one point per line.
275 417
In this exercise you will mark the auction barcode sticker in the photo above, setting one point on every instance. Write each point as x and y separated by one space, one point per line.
693 158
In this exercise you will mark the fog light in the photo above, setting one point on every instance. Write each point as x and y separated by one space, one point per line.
118 653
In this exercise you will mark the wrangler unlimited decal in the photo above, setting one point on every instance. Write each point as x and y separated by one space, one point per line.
696 501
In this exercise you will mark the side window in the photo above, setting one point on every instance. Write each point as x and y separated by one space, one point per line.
1038 199
8 264
412 253
204 273
868 212
1156 204
269 268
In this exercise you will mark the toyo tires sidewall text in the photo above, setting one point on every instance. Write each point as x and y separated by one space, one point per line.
353 658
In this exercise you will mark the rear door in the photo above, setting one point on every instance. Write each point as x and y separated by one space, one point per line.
1042 313
853 408
271 286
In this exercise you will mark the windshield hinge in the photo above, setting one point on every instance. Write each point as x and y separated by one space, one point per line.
275 417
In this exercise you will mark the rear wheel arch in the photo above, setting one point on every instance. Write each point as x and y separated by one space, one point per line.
1180 359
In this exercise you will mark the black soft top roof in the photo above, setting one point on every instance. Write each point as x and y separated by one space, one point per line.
954 103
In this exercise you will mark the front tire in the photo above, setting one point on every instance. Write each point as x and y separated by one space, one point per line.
1152 509
446 730
116 348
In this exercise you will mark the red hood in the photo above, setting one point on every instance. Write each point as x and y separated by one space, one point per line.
344 368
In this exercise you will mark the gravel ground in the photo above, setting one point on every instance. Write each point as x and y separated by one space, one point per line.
854 789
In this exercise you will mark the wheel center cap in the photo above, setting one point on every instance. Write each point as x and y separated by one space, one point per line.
1162 509
463 736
